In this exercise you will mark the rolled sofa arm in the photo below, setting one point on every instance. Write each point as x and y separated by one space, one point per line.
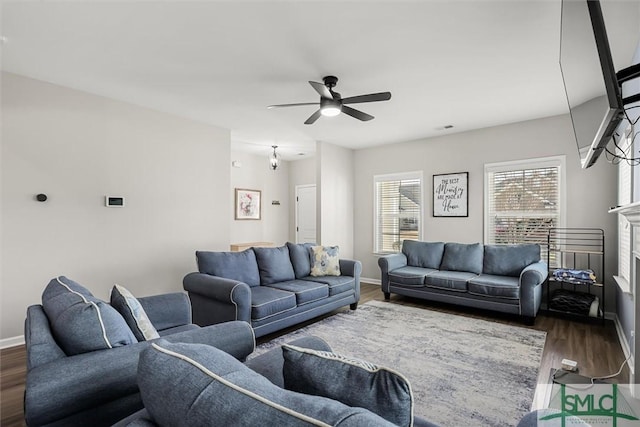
389 263
217 299
70 385
167 310
531 279
352 268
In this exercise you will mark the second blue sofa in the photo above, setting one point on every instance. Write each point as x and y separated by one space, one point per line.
505 278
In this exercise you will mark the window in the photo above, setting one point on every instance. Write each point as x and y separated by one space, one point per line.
523 200
398 210
625 191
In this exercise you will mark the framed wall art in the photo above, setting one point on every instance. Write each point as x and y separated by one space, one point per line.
248 204
450 195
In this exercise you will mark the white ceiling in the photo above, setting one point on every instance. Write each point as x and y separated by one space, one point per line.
470 64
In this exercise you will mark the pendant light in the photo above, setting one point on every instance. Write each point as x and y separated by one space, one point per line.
274 158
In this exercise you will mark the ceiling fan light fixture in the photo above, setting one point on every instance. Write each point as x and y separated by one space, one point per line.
330 107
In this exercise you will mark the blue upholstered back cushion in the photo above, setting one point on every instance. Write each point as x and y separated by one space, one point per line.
81 322
198 385
462 257
300 258
350 381
274 265
509 260
423 254
240 266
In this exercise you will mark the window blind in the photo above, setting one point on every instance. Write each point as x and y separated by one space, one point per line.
624 198
522 205
398 211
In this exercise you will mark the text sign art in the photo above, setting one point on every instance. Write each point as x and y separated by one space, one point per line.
450 196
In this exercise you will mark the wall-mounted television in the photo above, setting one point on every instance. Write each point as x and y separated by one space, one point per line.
590 82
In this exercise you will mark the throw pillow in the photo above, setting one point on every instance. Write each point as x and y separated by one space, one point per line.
197 385
81 322
135 316
350 381
325 261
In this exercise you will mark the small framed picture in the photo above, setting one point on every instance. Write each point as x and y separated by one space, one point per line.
450 196
248 204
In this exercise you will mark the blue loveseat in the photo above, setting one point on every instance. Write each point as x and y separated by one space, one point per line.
505 278
270 288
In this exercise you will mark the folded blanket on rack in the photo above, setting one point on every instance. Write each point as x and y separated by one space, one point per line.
580 277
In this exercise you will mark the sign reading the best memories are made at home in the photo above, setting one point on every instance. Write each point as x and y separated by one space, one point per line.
450 197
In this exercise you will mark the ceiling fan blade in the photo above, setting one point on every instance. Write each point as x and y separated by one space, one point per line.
291 105
372 97
312 119
357 113
321 89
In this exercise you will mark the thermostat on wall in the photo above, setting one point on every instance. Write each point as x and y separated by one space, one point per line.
113 201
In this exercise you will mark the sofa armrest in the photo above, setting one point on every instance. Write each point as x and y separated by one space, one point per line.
167 310
389 263
531 278
352 268
217 299
41 346
73 384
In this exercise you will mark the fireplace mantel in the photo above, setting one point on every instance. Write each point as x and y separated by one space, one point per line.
630 211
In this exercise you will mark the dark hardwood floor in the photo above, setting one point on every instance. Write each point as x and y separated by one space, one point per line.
593 346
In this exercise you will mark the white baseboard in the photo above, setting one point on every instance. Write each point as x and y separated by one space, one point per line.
626 349
11 342
370 281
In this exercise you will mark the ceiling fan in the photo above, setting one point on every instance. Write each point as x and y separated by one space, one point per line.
331 103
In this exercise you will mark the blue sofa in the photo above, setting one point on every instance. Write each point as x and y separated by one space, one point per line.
505 278
74 387
270 288
211 388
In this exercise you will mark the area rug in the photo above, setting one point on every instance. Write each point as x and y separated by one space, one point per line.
463 371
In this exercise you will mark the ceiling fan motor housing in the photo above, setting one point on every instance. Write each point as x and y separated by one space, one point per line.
330 81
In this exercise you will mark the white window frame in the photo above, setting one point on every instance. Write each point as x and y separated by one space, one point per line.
535 163
626 189
395 177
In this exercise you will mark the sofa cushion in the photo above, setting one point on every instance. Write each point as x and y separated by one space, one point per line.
410 276
81 322
274 265
304 291
240 266
350 381
509 260
300 256
337 284
196 384
133 313
453 280
495 286
325 261
462 257
267 301
423 254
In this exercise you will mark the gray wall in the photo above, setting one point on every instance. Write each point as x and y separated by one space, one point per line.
77 148
255 174
335 197
590 192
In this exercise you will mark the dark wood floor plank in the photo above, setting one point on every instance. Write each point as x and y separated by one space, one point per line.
593 346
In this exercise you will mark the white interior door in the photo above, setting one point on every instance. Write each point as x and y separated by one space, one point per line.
306 214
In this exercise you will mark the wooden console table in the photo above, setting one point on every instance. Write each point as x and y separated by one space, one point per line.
238 247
